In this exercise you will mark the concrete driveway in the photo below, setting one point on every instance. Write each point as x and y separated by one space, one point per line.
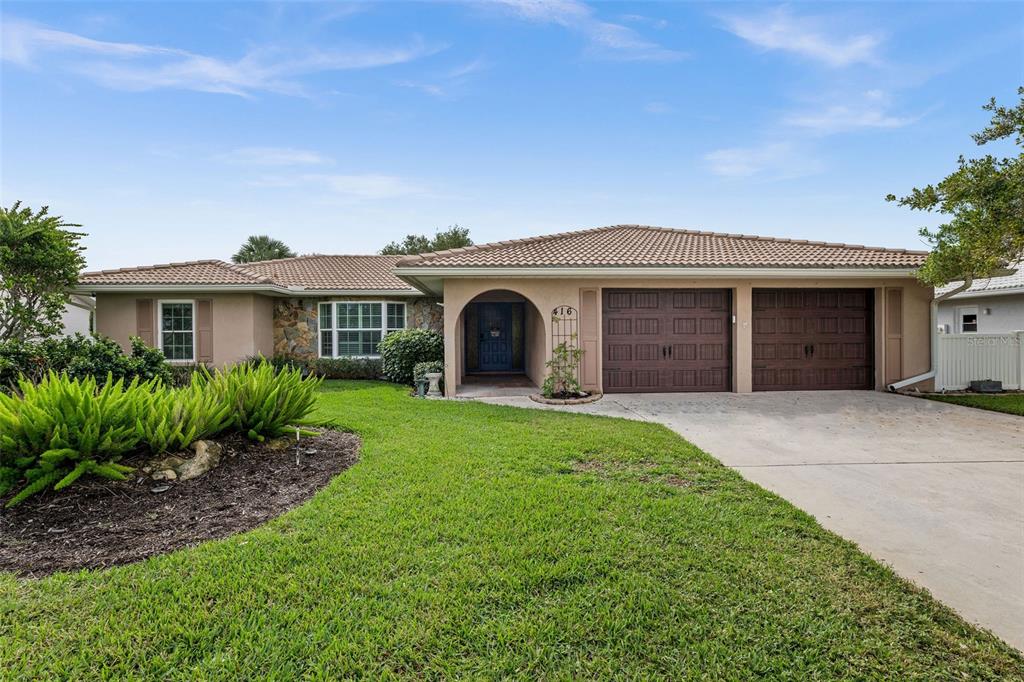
934 490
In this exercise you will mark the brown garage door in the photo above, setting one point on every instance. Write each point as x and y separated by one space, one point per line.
810 339
660 340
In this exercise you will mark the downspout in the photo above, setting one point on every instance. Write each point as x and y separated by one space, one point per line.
934 334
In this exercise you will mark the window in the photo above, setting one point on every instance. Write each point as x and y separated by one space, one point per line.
354 328
967 319
177 330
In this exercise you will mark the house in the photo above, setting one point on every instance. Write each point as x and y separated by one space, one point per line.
990 306
653 309
981 333
214 312
77 315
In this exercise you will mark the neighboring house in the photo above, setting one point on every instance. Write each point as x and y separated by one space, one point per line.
215 312
990 306
77 316
653 309
981 333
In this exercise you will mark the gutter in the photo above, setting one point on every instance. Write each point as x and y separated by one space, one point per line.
933 317
409 273
89 290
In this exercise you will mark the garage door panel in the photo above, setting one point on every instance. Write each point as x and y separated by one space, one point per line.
810 339
684 379
682 344
684 351
684 299
645 300
648 326
647 351
764 326
620 326
684 325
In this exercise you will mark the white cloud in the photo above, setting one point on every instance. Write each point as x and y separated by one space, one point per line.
368 186
445 83
139 67
870 110
273 156
641 19
606 39
776 159
778 29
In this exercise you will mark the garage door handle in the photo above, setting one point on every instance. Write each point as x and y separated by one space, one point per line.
812 351
663 351
670 351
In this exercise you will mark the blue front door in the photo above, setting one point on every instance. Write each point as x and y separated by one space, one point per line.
495 328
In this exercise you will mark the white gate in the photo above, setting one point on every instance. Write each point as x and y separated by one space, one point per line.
964 358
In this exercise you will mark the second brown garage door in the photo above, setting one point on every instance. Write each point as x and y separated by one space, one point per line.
666 340
811 339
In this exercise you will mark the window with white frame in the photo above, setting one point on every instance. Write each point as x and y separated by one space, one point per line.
177 330
967 319
354 328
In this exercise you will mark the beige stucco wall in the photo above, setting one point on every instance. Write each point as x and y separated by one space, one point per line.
262 326
535 351
242 323
547 294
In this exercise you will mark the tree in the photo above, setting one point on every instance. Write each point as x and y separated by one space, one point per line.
39 262
452 238
261 247
985 199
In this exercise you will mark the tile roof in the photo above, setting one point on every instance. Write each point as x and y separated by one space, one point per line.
333 272
644 246
211 272
316 272
993 284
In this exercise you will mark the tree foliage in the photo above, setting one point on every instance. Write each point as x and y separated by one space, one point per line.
452 238
985 201
262 247
39 262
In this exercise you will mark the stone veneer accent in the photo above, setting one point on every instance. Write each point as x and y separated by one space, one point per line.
296 328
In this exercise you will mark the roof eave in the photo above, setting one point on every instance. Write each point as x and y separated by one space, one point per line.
412 274
273 290
985 293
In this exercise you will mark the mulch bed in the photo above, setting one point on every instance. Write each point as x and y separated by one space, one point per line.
99 523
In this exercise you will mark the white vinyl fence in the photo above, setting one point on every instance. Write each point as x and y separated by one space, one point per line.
964 358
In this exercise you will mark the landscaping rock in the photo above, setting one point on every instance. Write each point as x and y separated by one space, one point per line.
164 475
280 444
207 457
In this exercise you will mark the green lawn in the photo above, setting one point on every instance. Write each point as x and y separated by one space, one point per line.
1011 403
481 541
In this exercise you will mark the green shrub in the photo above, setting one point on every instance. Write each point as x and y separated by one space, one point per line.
174 419
275 361
562 380
421 369
53 432
79 357
347 368
400 351
265 401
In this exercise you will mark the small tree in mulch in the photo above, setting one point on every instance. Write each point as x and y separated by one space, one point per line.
563 381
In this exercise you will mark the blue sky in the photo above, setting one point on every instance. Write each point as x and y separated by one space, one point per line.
172 131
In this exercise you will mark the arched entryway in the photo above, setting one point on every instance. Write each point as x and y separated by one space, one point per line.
502 344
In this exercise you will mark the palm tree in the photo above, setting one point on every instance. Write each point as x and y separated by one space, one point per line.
262 247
